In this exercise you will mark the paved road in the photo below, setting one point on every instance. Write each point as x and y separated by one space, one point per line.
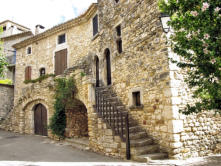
17 147
30 150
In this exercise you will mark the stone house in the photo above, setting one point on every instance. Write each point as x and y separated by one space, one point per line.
117 53
12 33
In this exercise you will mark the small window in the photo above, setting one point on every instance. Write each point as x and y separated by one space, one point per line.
4 28
95 25
117 1
28 73
136 98
42 71
61 39
119 46
29 50
118 29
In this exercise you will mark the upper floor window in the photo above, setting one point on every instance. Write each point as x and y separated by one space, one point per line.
61 39
95 25
117 1
42 71
118 29
28 73
119 40
4 28
29 50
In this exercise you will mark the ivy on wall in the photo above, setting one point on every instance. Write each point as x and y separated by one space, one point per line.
65 90
39 79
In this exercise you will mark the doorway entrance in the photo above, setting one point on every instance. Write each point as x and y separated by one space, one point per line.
40 120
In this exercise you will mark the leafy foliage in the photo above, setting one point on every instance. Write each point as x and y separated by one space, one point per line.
197 40
3 61
64 92
6 81
40 79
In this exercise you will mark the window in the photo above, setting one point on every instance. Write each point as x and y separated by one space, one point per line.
119 40
29 50
136 98
119 46
4 28
42 71
95 25
61 39
118 29
28 73
117 1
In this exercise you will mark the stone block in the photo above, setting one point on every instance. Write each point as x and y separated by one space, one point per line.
175 126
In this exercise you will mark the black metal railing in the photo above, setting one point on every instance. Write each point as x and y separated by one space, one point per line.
115 118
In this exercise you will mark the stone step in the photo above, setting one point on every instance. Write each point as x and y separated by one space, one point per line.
141 142
79 143
148 157
138 135
149 149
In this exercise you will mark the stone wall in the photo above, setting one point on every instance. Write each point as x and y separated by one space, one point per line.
76 121
198 134
6 99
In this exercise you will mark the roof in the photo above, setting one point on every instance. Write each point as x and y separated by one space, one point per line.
15 24
60 27
26 33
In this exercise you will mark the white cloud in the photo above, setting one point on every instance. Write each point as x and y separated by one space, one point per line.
45 12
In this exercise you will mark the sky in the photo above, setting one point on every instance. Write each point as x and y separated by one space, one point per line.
44 12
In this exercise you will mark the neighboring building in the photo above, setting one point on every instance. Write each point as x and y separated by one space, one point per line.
12 33
118 55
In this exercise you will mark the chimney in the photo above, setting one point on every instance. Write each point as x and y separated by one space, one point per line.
38 29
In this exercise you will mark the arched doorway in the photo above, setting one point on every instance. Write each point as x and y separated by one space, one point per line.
76 120
40 120
97 71
108 66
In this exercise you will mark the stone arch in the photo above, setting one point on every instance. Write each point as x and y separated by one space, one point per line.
76 120
28 109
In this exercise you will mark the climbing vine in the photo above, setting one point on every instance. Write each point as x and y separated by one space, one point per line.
65 90
39 79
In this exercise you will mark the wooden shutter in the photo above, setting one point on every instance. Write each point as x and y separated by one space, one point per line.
60 61
28 73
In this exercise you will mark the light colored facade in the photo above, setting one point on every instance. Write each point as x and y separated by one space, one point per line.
139 76
12 33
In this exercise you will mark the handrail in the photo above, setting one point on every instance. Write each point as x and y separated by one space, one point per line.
116 120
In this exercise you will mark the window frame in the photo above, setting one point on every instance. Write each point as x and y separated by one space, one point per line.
27 50
97 25
58 39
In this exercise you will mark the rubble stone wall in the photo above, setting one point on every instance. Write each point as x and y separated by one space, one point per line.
6 99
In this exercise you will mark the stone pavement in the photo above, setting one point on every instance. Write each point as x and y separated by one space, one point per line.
31 150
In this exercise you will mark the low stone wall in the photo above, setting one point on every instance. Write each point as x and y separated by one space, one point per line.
6 99
202 132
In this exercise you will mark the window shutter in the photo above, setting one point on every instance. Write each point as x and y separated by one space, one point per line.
29 73
26 73
60 61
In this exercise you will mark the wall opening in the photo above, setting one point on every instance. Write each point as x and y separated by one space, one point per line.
108 66
76 120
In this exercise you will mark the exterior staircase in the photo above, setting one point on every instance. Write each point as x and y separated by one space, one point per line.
139 145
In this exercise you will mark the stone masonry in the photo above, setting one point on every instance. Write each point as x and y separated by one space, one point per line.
6 100
142 66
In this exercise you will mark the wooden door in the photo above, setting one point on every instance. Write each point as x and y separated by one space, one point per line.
40 120
108 61
97 72
60 61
